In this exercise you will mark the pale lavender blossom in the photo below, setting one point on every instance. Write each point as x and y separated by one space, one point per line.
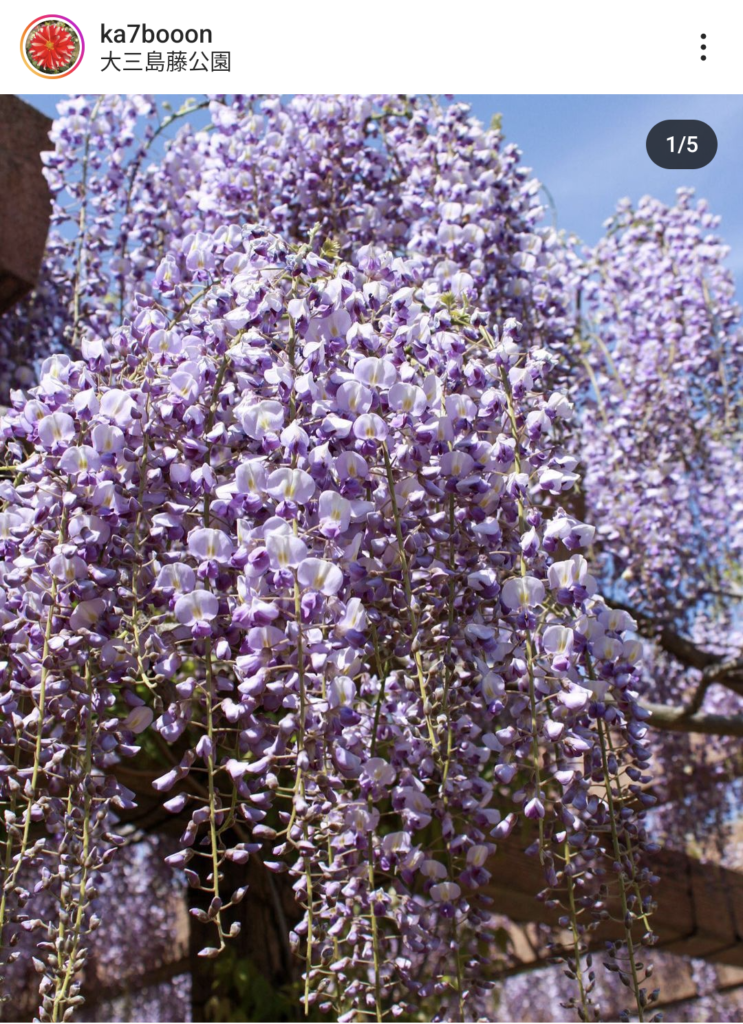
295 439
370 427
616 620
176 576
445 892
87 613
139 719
359 818
407 398
208 544
523 592
396 842
285 551
334 512
478 855
353 397
375 372
107 439
456 463
378 772
266 417
558 641
351 466
196 607
353 618
79 459
433 869
415 805
290 485
341 692
320 575
118 405
68 569
571 574
56 429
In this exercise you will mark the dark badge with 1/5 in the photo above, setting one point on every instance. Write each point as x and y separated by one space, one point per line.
683 145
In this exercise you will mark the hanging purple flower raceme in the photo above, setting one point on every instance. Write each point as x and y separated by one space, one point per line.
401 173
666 404
305 517
661 442
61 727
95 251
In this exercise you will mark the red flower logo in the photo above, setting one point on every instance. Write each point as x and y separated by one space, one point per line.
51 47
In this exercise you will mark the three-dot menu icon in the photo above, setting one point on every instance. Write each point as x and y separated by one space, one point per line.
704 45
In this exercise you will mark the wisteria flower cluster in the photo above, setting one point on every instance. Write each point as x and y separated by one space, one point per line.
667 404
661 443
302 520
363 508
394 171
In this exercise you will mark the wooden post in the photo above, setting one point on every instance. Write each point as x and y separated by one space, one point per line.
261 950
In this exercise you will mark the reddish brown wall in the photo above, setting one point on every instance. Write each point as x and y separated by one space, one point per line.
24 197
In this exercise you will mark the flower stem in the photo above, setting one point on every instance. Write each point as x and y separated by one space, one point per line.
622 885
409 597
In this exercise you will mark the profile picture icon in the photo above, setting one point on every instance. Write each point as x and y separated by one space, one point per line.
52 46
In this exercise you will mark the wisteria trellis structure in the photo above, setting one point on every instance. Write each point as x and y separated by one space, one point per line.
300 497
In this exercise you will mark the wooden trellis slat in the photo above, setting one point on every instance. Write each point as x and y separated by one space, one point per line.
700 905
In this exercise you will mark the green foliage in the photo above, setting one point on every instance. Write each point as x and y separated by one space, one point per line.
242 993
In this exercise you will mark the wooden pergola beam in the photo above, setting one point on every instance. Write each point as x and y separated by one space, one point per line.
700 905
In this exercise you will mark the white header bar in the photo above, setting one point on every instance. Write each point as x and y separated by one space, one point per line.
574 46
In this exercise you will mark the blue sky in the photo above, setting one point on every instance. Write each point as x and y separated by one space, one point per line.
590 151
